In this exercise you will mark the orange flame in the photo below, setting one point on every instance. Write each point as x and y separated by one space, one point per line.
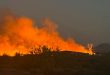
19 34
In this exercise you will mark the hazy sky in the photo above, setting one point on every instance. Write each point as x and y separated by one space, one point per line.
88 21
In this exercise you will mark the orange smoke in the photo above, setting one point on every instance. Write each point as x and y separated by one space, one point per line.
19 35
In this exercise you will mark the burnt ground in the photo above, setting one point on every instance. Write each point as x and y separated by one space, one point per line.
56 63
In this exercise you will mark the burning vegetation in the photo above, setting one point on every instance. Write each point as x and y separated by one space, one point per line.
21 35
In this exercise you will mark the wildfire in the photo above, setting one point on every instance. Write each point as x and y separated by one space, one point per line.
20 34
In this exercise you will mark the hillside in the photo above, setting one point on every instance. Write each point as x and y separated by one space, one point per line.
55 63
102 48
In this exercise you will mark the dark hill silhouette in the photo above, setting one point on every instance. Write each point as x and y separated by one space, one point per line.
102 48
55 63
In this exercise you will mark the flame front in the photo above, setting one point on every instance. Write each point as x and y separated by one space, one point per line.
19 35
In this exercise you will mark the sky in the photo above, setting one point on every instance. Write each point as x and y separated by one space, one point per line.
87 21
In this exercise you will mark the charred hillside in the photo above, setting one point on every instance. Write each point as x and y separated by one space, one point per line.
55 63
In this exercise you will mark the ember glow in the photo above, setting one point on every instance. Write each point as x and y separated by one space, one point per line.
20 34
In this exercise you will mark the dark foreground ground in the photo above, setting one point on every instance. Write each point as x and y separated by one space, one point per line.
55 63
